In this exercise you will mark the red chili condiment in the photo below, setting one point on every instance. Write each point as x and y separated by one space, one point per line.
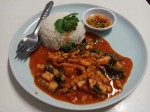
98 21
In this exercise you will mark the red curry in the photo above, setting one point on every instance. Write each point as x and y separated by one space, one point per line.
93 72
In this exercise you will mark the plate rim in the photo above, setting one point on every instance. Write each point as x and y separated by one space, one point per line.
93 107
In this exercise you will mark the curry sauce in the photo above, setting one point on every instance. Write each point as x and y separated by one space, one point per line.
92 73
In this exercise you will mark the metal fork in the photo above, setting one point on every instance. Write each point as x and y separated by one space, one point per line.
32 41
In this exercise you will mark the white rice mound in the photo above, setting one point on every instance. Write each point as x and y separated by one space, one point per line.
52 39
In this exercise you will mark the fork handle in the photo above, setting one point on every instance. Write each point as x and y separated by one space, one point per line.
45 13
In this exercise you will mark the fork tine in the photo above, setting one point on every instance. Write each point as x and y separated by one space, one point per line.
20 43
20 48
25 51
24 56
21 51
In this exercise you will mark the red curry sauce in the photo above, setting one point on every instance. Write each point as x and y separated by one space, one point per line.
40 57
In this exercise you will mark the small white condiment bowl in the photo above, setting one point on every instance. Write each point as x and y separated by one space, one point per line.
99 11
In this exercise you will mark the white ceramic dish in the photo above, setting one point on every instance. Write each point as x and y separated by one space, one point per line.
124 38
99 11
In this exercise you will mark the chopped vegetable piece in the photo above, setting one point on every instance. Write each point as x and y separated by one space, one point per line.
113 56
48 68
94 40
115 72
94 50
60 72
96 89
83 44
112 62
102 69
69 47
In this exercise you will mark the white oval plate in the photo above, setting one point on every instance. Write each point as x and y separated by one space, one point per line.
124 38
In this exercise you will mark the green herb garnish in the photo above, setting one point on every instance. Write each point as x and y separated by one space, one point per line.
68 23
96 89
48 68
60 73
94 50
113 56
112 62
116 72
94 40
69 47
83 44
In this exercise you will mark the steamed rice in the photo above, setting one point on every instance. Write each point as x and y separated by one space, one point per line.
51 38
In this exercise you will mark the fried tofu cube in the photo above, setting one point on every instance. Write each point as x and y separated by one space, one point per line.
118 83
86 62
80 83
92 82
48 76
52 86
40 66
103 61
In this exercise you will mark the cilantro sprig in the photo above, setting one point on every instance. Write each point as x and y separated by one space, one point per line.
68 23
